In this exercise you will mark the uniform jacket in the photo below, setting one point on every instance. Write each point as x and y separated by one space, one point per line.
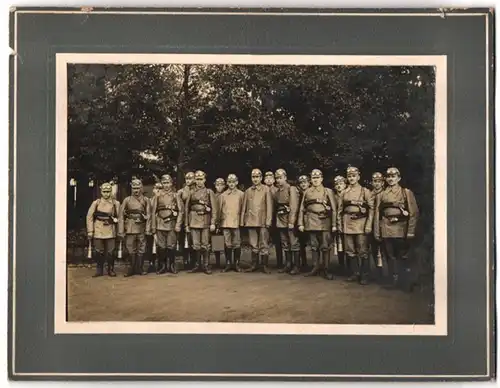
101 225
184 193
321 213
362 196
375 194
286 205
388 211
135 216
167 211
257 209
201 208
231 205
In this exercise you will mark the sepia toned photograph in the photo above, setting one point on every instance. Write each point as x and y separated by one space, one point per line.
251 193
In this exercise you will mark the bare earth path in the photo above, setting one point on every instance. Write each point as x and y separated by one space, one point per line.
239 297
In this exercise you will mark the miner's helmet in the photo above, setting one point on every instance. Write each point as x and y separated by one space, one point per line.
352 170
232 178
377 176
316 173
338 179
280 173
219 181
256 172
136 183
303 178
393 171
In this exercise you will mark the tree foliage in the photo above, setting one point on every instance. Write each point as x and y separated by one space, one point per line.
147 120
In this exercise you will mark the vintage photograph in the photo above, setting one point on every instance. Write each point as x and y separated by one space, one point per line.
250 193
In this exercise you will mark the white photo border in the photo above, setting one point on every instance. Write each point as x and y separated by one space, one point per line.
439 328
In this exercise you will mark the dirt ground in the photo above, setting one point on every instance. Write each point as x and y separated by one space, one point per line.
239 297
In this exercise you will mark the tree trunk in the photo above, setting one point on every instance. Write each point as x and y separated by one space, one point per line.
183 127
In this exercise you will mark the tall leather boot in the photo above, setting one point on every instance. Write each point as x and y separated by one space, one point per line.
296 263
364 271
186 259
197 265
171 261
132 265
111 265
255 263
265 264
407 282
206 262
140 264
354 270
341 261
152 266
279 250
217 259
99 265
317 265
228 253
392 274
237 256
162 265
328 269
303 257
343 270
288 263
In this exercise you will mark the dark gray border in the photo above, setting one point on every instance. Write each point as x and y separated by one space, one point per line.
462 352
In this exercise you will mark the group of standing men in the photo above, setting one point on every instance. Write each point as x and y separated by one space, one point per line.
352 219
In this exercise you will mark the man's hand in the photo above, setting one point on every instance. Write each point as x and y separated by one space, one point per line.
90 236
378 238
178 229
153 231
301 228
188 229
212 228
334 229
368 230
268 226
410 236
290 226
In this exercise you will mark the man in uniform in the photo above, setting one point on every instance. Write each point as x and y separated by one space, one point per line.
151 240
167 211
318 217
303 186
134 223
256 215
201 218
356 223
339 183
269 180
220 186
230 206
396 216
184 239
376 246
102 218
287 207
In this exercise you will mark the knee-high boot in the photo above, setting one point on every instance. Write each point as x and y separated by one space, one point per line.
317 265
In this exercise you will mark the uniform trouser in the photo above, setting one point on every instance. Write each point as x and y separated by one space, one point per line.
397 250
259 240
320 240
276 240
201 239
135 243
149 247
356 246
303 245
104 246
166 239
289 240
232 238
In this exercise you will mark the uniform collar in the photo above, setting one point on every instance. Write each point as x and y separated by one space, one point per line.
199 188
285 186
257 187
395 188
319 188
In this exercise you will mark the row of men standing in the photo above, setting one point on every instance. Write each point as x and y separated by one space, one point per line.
353 219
